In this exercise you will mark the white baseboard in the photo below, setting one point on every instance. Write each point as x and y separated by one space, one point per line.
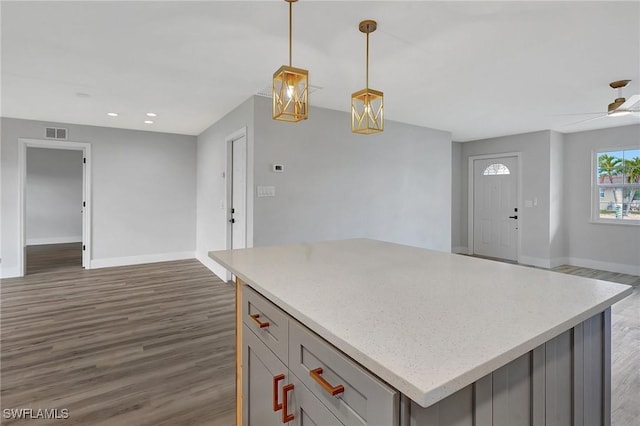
534 261
559 261
213 266
460 249
620 268
138 260
54 240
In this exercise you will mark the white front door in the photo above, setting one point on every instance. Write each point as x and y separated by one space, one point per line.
239 193
495 207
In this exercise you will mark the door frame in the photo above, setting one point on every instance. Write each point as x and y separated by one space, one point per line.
23 144
471 190
242 132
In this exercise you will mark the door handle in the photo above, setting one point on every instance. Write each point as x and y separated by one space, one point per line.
513 217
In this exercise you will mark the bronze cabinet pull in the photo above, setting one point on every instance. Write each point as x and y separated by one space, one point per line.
257 321
286 417
276 379
332 390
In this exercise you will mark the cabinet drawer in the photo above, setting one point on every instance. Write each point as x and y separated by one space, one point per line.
307 409
363 399
269 323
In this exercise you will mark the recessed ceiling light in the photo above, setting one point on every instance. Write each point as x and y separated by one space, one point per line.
151 114
112 114
148 122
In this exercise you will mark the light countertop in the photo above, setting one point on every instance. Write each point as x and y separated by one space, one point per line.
426 322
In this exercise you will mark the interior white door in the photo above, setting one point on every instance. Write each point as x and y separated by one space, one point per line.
85 242
495 207
238 216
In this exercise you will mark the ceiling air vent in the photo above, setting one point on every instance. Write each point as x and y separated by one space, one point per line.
55 133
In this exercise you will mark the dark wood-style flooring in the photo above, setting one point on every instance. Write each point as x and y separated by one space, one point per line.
139 345
54 257
154 344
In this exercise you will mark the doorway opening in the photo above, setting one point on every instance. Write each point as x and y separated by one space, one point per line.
55 202
494 202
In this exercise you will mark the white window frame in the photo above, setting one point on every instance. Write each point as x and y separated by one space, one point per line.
595 189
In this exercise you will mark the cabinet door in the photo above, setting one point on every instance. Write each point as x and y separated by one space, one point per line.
307 410
261 388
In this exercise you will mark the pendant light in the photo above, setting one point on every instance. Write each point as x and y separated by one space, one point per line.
367 106
290 88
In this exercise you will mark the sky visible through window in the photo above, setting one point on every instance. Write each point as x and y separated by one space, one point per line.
618 180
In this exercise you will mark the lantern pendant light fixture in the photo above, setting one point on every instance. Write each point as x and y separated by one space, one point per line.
367 106
290 88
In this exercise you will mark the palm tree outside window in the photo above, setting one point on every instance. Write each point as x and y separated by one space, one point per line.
618 186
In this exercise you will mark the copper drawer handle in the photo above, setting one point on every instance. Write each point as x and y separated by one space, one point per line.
332 390
260 324
276 379
286 417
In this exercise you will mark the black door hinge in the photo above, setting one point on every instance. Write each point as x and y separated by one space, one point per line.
84 204
84 247
84 161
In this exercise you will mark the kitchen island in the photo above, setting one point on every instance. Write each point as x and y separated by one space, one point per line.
375 333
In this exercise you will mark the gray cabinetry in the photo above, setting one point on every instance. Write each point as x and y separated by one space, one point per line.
307 408
563 382
269 323
260 384
353 395
291 376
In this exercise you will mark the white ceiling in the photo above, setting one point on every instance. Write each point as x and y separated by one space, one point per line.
477 69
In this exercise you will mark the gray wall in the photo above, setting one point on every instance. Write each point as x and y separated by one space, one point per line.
393 186
212 186
144 192
535 183
557 170
557 215
53 196
612 247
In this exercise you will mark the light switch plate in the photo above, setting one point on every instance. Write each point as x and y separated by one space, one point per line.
266 191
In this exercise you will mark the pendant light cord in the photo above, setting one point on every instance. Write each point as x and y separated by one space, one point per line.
290 30
367 59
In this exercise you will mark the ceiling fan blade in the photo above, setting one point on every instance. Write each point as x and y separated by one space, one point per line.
580 113
585 121
630 102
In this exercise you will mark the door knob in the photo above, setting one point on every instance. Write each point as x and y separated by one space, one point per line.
513 217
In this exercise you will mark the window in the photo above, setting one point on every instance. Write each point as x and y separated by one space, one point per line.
617 182
496 169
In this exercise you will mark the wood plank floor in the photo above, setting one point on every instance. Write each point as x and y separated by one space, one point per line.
139 345
154 344
54 257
